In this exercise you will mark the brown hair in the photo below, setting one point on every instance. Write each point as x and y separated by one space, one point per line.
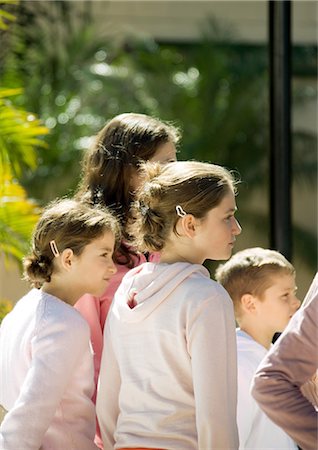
195 186
70 224
124 142
249 272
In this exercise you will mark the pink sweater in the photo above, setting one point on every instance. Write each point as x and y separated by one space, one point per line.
95 310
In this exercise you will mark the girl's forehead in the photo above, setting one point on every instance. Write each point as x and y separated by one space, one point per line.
165 153
107 239
228 201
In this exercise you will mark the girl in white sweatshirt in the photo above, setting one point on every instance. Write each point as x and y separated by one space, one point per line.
168 373
46 362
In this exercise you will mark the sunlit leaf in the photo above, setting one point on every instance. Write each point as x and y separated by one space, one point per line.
19 136
18 216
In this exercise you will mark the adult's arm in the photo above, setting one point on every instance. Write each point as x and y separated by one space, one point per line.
291 362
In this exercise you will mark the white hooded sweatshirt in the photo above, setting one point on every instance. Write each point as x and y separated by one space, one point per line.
168 376
256 430
46 376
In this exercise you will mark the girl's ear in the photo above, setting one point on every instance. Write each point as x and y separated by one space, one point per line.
188 225
248 303
67 258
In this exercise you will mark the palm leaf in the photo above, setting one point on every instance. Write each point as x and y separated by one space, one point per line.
20 133
6 16
18 215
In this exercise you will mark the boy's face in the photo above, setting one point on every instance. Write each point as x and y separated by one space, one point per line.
278 302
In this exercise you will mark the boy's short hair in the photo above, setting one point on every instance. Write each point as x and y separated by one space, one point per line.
249 272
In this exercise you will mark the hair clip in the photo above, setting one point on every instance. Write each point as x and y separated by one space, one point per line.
180 211
144 209
54 249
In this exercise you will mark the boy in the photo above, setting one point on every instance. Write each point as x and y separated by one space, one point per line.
284 385
262 286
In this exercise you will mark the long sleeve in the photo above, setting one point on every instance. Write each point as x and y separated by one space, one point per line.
56 348
212 347
107 408
291 362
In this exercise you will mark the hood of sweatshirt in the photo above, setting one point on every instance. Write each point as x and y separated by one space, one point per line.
143 288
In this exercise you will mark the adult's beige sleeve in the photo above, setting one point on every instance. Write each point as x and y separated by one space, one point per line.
291 362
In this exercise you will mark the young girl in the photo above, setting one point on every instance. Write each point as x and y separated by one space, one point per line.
46 363
110 177
168 372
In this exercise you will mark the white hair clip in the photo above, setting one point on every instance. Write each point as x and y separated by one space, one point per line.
54 249
180 211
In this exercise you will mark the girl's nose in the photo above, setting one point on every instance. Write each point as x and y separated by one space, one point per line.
112 268
237 229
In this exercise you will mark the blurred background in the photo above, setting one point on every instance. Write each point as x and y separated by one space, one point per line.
66 67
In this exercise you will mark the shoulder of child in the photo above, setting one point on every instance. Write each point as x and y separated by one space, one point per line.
249 352
207 290
61 319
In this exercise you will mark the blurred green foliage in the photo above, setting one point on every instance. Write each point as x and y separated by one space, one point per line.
20 134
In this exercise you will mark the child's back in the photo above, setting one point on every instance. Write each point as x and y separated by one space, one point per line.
48 334
157 338
261 284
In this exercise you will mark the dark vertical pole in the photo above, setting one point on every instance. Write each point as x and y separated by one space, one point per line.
280 128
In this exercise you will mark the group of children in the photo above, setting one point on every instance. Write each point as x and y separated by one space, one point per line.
167 370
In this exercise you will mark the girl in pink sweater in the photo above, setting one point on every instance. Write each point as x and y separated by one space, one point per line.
110 177
46 361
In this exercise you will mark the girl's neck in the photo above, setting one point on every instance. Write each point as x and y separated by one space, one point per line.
175 255
171 259
61 292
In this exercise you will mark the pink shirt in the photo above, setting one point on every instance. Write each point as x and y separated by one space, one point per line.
95 309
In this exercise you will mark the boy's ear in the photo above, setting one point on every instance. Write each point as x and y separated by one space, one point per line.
248 303
67 258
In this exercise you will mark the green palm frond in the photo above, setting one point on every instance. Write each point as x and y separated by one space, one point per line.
20 133
18 215
6 16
